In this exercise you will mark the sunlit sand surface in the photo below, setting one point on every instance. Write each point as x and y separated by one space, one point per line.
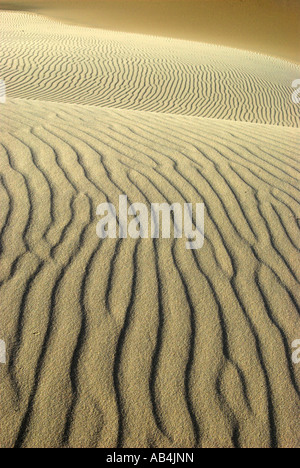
267 26
142 343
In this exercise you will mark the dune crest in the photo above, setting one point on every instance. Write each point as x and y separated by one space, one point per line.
46 60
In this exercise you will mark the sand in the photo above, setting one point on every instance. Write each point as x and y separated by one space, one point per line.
141 343
267 26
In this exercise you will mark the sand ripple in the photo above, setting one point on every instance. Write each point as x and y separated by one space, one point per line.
46 60
142 343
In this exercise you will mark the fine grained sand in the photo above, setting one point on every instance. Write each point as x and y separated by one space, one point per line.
142 343
267 26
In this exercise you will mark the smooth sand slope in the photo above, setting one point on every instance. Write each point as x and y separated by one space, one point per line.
267 26
141 343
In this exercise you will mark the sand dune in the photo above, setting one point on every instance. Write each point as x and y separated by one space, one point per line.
45 60
267 26
141 343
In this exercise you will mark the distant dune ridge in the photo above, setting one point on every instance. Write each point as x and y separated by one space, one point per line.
143 73
267 26
141 343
